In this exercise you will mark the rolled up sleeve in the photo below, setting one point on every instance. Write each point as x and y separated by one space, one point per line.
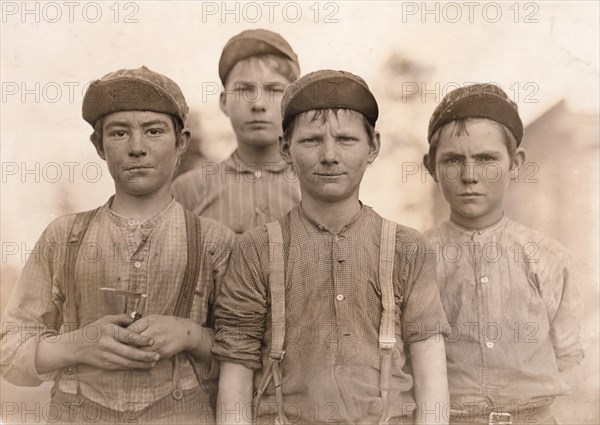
241 306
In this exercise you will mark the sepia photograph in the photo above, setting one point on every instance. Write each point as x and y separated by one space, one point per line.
300 212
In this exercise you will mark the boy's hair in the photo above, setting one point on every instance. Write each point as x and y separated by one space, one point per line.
322 115
459 128
98 134
279 64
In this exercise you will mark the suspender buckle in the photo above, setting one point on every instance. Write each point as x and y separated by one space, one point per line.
497 418
387 343
278 357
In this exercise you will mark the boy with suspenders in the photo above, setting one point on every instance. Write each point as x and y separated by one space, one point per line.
115 304
320 310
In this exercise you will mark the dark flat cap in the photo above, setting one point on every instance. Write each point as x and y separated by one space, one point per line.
478 101
133 90
327 89
253 43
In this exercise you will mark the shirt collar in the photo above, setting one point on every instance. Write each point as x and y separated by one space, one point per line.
304 216
151 222
472 233
234 163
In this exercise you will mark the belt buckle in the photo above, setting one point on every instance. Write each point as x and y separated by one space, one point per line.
498 418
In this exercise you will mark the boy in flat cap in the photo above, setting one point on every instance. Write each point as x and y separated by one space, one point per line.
253 186
140 253
509 292
320 310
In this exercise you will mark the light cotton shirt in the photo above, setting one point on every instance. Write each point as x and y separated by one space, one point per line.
511 298
241 196
148 257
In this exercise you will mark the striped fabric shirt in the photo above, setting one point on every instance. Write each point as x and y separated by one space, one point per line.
148 257
333 312
241 196
511 297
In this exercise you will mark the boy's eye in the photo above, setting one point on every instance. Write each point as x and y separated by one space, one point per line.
155 131
118 133
452 161
309 140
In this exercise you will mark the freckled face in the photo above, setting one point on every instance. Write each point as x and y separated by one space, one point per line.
330 158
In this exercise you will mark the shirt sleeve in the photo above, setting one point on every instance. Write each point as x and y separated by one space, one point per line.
241 306
558 284
422 312
218 243
34 309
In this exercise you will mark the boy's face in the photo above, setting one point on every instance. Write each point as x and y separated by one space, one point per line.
252 101
330 158
474 172
140 151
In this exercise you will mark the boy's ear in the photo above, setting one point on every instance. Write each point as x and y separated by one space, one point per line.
223 103
374 147
517 162
432 172
284 149
99 149
183 142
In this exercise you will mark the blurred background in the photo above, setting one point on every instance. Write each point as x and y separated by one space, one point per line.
543 54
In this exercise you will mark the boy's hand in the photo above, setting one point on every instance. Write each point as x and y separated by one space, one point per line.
105 344
171 335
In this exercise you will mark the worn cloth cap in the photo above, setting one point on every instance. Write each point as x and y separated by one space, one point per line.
133 90
252 43
478 101
326 89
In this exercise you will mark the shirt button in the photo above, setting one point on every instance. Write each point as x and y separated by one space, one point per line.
257 174
131 222
69 371
484 279
257 210
340 297
137 264
489 344
480 233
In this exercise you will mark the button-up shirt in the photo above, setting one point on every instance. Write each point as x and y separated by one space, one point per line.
511 298
148 257
333 313
241 196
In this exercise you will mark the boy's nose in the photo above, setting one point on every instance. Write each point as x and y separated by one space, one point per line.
329 154
136 145
468 173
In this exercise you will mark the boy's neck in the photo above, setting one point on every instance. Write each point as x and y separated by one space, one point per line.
332 215
268 154
477 223
141 207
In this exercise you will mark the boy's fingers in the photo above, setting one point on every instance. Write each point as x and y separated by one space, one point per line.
120 319
131 337
134 354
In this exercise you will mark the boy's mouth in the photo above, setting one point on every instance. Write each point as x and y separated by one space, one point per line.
470 194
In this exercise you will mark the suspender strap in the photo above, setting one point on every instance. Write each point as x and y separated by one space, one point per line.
387 335
277 289
70 323
183 307
76 234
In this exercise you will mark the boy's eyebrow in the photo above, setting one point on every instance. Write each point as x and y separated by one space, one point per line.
155 122
117 124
